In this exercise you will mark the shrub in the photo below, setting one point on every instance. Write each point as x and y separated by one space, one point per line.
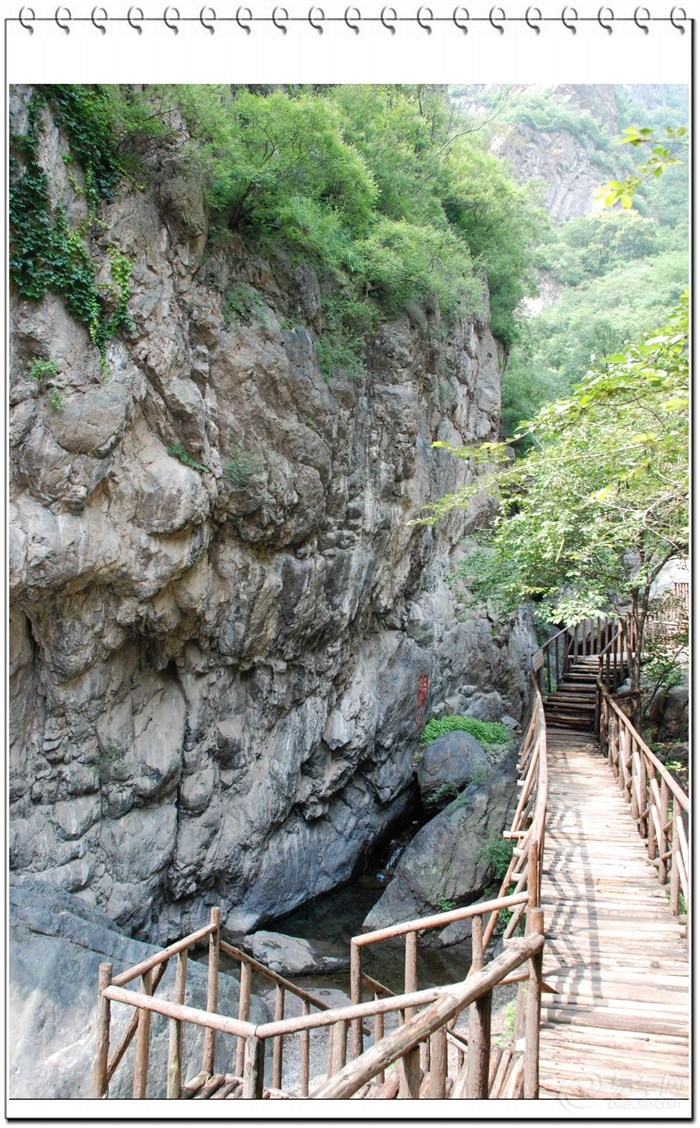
241 467
486 732
43 369
177 450
499 851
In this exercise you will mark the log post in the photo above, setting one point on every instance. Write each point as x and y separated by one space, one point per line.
101 1060
209 1052
532 1013
142 1040
379 1034
675 847
304 1081
438 1064
409 1064
175 1033
254 1068
278 1040
478 1056
663 836
338 1054
243 1012
356 1045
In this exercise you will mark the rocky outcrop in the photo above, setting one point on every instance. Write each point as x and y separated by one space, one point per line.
448 764
448 862
224 633
57 942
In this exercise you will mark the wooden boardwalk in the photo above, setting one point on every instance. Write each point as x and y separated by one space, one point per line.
615 953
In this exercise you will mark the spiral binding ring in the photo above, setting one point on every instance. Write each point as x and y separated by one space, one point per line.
391 12
352 14
103 15
529 15
420 17
678 26
279 15
647 16
317 21
353 18
564 19
501 16
58 16
207 26
609 15
166 19
247 15
27 14
130 19
456 18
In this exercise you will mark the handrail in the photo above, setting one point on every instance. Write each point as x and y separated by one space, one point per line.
163 956
439 920
273 976
658 805
666 776
450 1002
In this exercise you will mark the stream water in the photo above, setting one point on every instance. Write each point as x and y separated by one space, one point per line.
329 921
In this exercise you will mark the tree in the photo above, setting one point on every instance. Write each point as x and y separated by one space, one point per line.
587 520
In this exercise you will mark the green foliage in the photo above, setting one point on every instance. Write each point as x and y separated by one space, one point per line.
444 904
110 758
177 450
241 467
46 253
589 517
243 303
377 186
441 795
40 369
499 852
661 156
486 732
56 401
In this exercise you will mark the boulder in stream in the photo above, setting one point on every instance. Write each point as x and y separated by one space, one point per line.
447 861
289 955
448 764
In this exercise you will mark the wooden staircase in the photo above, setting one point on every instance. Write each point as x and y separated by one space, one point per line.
573 703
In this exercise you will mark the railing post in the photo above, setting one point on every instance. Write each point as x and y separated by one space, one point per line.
531 1061
356 1041
278 1040
675 847
101 1060
304 1081
409 1064
243 1012
209 1052
438 1065
175 1033
478 1056
663 838
254 1068
142 1040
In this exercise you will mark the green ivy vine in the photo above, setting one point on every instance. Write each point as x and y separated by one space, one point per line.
47 254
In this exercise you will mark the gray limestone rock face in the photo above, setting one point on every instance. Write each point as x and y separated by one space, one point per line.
448 764
57 942
448 860
226 635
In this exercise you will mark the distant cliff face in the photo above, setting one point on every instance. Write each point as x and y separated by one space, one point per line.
218 654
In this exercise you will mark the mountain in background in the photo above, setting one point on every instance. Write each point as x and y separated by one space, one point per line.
602 276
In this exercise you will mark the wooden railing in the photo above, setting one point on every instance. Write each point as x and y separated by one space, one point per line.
554 660
402 1046
151 971
659 806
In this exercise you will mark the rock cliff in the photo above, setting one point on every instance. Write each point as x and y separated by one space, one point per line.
222 624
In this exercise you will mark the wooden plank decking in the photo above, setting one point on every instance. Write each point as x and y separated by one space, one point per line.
615 952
